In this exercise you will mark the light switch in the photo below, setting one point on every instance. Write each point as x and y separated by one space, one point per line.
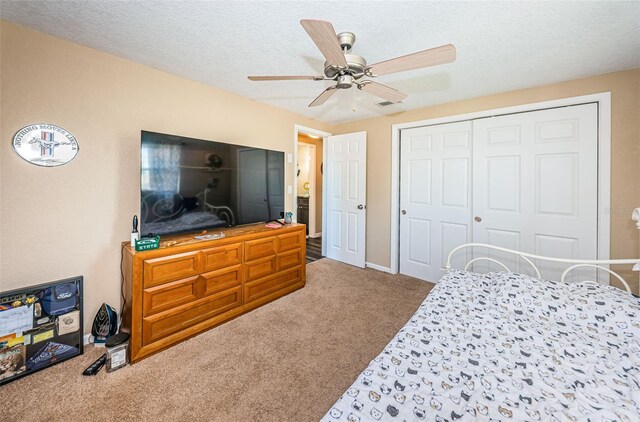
290 190
290 160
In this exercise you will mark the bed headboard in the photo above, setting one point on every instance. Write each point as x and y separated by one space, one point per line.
571 264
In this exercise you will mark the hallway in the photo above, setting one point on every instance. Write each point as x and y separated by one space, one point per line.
314 249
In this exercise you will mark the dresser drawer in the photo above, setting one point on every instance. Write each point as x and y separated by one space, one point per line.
259 268
226 278
260 248
161 325
289 241
169 295
256 289
170 268
289 259
222 256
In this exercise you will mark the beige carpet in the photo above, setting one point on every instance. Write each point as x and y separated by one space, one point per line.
287 361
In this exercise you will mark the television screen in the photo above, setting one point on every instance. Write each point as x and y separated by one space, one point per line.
192 184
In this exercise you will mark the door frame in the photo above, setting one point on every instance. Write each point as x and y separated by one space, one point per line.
297 129
603 99
312 188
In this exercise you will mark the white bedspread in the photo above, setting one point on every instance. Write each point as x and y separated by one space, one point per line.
507 347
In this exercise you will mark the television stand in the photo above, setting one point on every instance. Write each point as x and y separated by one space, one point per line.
188 286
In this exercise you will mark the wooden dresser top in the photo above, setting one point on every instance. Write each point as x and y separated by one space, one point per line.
232 234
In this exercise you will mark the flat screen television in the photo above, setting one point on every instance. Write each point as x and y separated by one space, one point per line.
192 184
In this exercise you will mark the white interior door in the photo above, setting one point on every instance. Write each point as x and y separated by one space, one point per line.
346 170
535 184
435 196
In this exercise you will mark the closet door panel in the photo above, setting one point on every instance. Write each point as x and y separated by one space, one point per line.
435 197
535 185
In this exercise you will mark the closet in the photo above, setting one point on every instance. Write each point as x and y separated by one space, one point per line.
526 181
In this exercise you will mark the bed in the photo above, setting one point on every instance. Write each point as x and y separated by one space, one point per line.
507 346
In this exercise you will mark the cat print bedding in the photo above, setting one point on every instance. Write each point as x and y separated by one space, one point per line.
504 346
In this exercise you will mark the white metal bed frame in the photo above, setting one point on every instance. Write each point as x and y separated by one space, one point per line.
575 263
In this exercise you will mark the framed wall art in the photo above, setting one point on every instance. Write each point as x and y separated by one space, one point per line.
40 326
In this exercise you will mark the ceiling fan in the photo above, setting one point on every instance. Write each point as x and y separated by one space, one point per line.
349 69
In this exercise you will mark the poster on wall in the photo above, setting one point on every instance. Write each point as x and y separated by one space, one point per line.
40 326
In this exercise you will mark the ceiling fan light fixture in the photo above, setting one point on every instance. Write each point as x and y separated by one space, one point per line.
344 81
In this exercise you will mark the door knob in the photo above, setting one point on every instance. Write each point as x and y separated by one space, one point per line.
404 212
361 207
477 219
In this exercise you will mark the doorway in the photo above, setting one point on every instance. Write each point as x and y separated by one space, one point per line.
308 187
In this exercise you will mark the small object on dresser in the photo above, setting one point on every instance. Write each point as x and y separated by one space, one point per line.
210 236
117 351
288 218
135 235
202 236
147 244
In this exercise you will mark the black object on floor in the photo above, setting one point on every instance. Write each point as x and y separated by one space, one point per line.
96 366
314 249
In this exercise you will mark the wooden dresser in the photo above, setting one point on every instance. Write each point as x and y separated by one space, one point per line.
175 292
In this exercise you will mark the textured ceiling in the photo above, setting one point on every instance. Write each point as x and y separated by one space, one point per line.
501 46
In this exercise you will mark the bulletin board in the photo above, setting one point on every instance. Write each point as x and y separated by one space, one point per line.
40 326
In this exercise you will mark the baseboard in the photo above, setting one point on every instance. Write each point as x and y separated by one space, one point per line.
316 235
378 267
87 340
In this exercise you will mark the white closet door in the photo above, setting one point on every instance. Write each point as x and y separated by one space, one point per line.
435 196
346 197
535 184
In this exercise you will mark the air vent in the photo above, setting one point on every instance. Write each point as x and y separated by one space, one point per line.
387 103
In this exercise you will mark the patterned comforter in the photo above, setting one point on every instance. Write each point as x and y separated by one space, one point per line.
506 346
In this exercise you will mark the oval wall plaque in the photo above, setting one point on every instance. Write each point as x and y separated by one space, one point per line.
45 145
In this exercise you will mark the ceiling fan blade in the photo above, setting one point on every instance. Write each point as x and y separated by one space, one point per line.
425 58
324 36
285 78
382 91
322 98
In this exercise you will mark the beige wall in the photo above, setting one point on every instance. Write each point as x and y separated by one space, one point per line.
304 164
318 143
70 220
625 134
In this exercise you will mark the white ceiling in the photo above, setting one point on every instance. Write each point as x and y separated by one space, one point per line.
502 46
